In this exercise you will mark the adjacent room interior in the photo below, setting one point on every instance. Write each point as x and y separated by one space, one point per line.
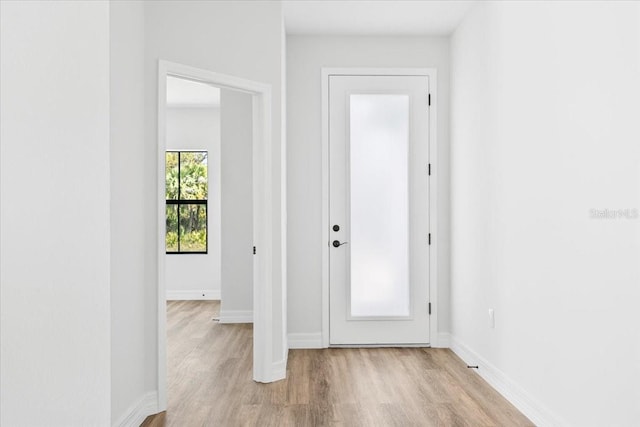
208 240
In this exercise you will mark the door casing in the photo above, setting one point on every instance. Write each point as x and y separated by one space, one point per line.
431 73
264 368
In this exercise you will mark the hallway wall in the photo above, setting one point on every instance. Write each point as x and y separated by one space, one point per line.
55 347
545 108
129 284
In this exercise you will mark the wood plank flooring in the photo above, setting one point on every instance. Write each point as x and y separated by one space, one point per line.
209 383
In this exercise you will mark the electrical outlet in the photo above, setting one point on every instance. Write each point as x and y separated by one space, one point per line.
492 319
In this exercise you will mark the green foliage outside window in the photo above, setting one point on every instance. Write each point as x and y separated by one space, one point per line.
186 195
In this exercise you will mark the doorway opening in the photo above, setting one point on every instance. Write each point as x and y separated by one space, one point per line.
379 213
199 230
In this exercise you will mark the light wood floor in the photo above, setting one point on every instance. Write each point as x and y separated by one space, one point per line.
209 383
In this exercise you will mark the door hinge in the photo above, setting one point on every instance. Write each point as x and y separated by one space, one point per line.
429 169
429 238
429 99
429 309
254 250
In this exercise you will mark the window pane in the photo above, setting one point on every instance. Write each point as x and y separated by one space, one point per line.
193 175
379 241
171 164
171 239
193 228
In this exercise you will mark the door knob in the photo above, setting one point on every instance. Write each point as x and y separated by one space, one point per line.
336 243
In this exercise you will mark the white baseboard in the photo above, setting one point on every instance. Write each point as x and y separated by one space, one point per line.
236 316
193 294
443 340
305 340
509 389
314 340
139 411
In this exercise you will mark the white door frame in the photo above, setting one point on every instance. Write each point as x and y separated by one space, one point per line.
431 73
262 217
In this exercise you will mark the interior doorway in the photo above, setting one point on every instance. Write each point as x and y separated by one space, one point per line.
261 218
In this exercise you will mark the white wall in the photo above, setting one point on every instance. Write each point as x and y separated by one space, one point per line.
545 108
129 389
55 320
237 206
236 38
306 55
197 276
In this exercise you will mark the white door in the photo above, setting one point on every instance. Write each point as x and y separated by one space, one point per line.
379 210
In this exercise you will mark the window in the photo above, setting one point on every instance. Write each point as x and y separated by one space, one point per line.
186 202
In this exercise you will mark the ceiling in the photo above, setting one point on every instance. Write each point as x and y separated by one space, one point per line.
342 17
366 17
187 93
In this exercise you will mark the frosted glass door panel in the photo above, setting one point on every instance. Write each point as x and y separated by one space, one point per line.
379 205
